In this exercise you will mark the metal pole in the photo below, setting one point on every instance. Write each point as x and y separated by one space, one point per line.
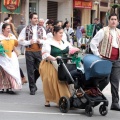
114 8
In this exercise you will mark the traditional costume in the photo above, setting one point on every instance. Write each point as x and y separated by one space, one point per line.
33 52
107 44
70 33
52 87
9 66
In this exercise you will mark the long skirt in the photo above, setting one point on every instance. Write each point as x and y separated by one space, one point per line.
53 89
7 81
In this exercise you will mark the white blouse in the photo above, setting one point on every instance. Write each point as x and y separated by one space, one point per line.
50 35
46 49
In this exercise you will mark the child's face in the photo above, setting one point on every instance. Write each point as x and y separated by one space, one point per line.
83 35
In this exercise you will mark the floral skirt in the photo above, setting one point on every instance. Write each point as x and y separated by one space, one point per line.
7 81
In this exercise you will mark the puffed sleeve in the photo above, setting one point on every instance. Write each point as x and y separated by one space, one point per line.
15 43
46 50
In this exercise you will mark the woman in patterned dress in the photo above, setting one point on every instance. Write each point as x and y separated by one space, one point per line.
9 67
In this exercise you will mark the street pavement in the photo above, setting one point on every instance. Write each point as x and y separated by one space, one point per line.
23 106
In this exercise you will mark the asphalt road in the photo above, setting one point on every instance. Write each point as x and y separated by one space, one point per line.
23 106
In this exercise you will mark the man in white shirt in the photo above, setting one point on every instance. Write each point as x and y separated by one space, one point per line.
106 44
32 37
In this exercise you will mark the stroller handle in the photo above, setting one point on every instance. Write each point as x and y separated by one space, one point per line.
60 59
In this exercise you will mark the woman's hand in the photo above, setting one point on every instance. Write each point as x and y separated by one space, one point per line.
73 50
51 58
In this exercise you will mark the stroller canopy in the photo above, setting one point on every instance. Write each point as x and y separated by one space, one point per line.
94 66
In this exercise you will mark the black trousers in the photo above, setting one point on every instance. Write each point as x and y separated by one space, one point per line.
33 60
114 80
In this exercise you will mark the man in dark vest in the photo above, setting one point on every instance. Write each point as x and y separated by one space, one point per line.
32 37
97 26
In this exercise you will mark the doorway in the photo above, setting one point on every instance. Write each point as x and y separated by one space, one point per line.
76 17
103 18
33 6
93 12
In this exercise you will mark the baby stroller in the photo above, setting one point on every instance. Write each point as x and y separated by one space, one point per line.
87 95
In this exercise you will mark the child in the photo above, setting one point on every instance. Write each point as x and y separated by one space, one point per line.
83 42
79 32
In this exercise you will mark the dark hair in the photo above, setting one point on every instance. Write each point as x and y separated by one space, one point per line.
6 18
56 29
50 21
56 22
65 24
113 14
5 25
31 15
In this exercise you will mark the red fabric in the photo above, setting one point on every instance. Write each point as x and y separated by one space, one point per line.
114 53
83 30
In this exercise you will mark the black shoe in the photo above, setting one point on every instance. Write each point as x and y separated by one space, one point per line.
2 91
115 106
47 105
33 90
9 91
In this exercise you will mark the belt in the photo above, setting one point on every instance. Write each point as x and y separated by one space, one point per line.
28 46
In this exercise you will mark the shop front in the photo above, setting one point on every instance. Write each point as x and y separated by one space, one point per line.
81 12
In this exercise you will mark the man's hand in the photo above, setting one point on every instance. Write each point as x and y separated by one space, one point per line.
44 38
38 41
100 56
31 41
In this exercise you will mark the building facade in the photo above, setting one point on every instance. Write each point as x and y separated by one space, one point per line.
84 12
46 9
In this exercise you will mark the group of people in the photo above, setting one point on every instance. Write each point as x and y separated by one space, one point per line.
42 50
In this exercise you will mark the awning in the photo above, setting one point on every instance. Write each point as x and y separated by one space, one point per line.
87 4
10 6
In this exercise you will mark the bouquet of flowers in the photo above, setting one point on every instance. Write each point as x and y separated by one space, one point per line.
2 50
76 59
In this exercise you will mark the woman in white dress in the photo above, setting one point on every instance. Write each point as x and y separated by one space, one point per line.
9 67
69 31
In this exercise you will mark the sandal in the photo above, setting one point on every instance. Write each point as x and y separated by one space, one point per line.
47 104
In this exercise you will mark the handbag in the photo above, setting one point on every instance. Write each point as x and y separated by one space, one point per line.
62 73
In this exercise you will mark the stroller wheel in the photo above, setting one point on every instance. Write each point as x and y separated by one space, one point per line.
103 110
89 110
64 104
